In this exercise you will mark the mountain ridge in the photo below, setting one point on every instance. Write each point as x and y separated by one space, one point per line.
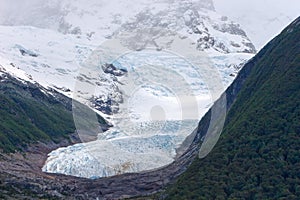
45 185
57 59
256 154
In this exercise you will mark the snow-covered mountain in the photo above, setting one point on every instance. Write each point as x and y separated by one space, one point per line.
52 42
262 20
40 43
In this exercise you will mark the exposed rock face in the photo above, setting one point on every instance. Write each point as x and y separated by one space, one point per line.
67 37
190 19
109 103
19 173
111 69
196 20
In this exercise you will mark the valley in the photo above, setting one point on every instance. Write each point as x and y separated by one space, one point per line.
160 100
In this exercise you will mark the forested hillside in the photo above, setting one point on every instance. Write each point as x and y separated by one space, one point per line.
257 156
28 114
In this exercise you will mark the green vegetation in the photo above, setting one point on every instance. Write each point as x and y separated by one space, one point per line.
28 115
257 156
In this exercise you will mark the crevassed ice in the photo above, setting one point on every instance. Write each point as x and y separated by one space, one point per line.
139 141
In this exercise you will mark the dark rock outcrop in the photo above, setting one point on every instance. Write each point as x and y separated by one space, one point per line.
25 173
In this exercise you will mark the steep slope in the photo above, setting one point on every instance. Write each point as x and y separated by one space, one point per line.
226 162
97 20
44 42
257 155
60 37
30 113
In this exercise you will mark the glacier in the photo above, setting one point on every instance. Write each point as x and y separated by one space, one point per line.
149 125
150 118
125 154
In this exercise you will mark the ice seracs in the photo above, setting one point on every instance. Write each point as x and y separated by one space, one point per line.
52 52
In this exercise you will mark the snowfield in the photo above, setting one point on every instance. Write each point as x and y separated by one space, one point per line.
154 97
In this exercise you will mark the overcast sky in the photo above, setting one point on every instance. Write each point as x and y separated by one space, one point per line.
262 19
